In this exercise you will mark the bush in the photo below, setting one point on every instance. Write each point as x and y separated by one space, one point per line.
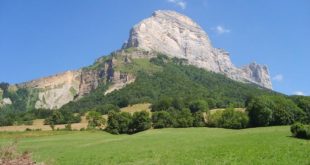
229 118
199 105
118 123
214 118
105 108
199 120
233 119
140 121
300 131
95 120
62 117
68 127
162 119
273 110
183 118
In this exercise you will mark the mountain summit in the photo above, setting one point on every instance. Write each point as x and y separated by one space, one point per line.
167 33
179 36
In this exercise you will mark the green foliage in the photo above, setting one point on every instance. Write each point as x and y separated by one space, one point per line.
105 108
62 117
95 120
118 123
233 119
303 102
141 121
199 120
183 118
173 80
124 122
229 118
213 119
273 110
259 111
198 105
163 104
162 119
300 131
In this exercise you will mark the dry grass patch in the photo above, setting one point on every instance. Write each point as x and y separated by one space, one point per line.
137 108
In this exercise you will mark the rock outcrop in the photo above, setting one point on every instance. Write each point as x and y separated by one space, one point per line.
55 91
178 36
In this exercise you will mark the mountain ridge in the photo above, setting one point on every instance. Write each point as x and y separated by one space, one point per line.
192 45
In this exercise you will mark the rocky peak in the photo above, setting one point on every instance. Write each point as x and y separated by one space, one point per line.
179 36
259 73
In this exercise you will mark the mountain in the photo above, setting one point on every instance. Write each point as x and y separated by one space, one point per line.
178 36
168 34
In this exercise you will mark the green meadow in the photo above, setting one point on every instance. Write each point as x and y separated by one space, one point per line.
266 145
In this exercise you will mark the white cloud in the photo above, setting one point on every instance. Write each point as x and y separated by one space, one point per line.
299 93
221 30
180 3
278 77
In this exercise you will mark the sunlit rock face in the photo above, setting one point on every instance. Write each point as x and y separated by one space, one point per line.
178 36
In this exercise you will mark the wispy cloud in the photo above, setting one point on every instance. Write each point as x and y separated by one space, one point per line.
300 93
278 77
180 3
221 29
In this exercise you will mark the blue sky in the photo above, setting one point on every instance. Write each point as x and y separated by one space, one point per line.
43 37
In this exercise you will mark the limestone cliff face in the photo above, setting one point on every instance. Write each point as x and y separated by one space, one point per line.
57 90
178 36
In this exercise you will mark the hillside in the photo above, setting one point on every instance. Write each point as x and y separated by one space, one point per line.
164 77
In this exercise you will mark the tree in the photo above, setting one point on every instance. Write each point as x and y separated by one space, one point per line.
56 118
140 121
105 108
184 118
118 123
274 110
259 112
199 105
199 120
162 104
162 119
95 120
233 119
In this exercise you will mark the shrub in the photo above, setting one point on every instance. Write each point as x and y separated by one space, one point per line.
300 131
199 120
68 127
118 123
95 120
183 118
233 119
140 121
228 118
273 110
162 104
9 155
199 105
62 117
105 108
162 119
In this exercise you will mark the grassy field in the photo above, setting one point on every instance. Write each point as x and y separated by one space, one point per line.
270 145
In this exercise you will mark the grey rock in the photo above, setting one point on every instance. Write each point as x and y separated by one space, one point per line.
178 36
